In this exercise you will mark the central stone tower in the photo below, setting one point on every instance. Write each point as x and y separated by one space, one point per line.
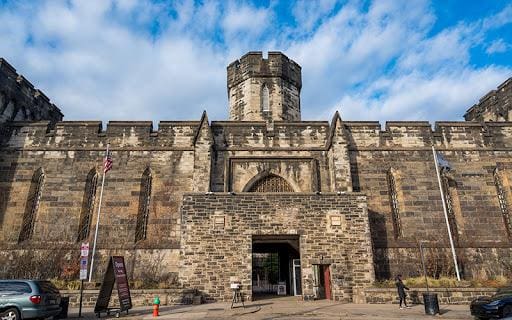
264 89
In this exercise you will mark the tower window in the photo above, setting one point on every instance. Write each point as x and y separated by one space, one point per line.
32 206
87 205
393 199
265 98
141 230
500 189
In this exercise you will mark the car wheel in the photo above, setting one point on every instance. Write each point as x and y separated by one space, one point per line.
507 311
11 314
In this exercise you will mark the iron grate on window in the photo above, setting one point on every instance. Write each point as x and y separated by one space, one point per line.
395 211
32 206
503 202
141 229
271 183
88 206
448 198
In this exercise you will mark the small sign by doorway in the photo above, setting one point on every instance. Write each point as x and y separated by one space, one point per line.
281 289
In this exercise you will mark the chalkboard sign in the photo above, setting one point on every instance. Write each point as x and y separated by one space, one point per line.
123 290
116 272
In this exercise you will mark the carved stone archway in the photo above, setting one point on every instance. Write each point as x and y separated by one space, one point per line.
271 183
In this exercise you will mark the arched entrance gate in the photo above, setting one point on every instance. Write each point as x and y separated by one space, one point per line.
275 258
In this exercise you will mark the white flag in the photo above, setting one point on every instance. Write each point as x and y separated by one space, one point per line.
442 162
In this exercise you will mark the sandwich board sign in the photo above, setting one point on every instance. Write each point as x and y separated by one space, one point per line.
115 273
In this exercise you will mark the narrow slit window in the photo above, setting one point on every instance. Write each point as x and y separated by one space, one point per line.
265 98
144 202
88 205
393 199
32 206
448 198
500 189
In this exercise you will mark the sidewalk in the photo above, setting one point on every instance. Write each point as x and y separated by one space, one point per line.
287 308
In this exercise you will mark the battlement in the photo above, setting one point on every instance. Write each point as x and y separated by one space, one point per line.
496 105
180 135
20 101
419 134
253 65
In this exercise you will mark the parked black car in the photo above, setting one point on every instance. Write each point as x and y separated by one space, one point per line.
497 306
25 299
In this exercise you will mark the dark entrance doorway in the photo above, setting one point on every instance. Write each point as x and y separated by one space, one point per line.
322 281
275 266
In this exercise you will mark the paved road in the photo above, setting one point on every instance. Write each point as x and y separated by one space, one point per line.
289 308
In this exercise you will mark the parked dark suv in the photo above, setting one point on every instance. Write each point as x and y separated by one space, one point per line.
25 299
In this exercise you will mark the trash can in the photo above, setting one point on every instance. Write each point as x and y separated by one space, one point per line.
64 305
431 303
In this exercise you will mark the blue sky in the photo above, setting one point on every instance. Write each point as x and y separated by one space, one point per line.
166 60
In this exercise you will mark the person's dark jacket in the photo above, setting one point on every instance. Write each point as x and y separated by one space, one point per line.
401 287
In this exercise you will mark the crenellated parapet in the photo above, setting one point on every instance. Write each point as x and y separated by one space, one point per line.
130 135
252 64
495 106
420 135
20 101
232 135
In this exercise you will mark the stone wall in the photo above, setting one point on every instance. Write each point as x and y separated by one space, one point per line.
227 156
169 297
219 228
474 151
140 297
415 295
68 153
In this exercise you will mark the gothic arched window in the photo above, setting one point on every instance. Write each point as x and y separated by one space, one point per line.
393 199
265 98
87 205
32 205
502 199
144 201
271 183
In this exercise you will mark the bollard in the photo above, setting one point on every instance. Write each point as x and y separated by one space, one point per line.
156 306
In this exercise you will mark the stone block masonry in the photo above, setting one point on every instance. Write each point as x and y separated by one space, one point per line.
212 253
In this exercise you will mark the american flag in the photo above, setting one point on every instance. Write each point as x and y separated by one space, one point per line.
107 163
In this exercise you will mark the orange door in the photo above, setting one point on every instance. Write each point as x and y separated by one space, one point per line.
327 280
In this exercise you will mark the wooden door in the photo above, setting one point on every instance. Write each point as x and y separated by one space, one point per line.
327 280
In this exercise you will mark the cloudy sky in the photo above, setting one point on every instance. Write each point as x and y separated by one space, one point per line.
166 60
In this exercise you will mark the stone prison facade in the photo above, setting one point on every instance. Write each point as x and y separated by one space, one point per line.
315 208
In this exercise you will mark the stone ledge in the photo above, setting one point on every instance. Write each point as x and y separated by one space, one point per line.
415 295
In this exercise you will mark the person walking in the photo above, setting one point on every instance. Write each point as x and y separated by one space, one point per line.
400 286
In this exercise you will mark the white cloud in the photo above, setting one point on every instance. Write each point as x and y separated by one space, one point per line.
246 20
497 46
130 59
417 97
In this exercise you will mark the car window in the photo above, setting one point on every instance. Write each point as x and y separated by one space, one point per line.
47 287
15 286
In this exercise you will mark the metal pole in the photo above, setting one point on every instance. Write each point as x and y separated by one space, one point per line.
423 264
446 215
81 295
98 219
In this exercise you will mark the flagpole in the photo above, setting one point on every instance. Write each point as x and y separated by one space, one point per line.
446 215
98 219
